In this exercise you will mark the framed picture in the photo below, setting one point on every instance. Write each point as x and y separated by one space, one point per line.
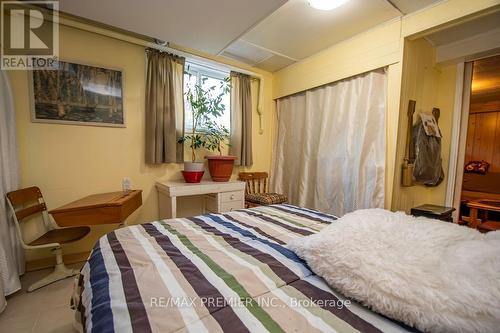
78 94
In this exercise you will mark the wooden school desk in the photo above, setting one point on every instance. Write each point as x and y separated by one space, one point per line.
103 208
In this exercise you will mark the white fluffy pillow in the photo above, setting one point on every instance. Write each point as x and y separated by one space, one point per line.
435 276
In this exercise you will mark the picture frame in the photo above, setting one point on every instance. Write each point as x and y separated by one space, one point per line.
78 94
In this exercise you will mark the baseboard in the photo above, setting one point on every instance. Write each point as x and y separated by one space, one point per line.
73 258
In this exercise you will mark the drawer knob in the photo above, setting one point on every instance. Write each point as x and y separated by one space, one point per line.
231 197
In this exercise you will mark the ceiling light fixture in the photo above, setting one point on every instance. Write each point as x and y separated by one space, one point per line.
326 4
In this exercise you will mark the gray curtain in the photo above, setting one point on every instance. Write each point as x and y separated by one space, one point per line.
164 107
11 252
241 119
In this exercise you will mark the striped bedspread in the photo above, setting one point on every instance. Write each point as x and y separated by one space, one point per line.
214 273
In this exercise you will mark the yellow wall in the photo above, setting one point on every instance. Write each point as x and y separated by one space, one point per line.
68 162
375 48
384 46
431 86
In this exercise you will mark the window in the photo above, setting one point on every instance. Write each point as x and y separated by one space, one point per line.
206 78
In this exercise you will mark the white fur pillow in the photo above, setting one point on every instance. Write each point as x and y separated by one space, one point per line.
435 276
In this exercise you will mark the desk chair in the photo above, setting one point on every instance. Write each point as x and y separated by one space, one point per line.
256 190
26 203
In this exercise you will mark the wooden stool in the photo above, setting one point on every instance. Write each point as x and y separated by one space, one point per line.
434 212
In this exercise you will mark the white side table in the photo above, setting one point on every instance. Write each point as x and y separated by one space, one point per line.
220 197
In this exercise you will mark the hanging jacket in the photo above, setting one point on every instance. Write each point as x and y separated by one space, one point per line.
428 163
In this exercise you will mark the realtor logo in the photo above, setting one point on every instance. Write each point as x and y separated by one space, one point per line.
29 34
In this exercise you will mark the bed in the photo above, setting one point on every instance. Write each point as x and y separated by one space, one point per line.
215 273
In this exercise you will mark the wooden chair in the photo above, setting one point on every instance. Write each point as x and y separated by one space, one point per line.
256 190
26 203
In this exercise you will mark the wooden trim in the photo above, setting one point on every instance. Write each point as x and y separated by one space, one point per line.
455 136
464 123
49 262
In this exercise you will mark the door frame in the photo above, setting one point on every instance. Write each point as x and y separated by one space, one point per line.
459 136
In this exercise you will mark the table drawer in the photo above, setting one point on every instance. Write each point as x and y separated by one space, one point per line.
231 196
211 203
212 206
230 206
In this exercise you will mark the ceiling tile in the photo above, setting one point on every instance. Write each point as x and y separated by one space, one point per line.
275 63
199 24
297 30
246 52
409 6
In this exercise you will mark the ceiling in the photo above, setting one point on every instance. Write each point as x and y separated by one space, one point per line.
465 30
207 26
296 30
269 34
318 29
410 6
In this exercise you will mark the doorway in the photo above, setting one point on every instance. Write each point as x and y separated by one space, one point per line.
477 192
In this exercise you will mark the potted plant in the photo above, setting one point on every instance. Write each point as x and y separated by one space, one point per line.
205 106
220 166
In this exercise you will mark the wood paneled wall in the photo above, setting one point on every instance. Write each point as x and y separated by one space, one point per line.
483 139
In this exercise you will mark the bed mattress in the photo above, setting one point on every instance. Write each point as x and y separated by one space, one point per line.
215 273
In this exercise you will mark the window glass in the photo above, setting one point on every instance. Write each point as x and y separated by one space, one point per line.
206 79
189 83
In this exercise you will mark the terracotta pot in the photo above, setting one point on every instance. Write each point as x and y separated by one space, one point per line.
220 167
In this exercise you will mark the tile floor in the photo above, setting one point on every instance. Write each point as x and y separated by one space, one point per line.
45 310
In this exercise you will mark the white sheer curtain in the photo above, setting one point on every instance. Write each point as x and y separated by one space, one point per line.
330 147
11 252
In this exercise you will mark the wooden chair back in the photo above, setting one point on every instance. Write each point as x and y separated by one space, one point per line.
25 203
256 182
30 201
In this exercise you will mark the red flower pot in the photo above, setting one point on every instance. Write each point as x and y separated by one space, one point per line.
192 176
220 167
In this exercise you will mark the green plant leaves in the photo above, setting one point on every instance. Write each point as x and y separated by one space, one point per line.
206 107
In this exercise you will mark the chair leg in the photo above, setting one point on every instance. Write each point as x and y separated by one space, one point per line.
60 272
